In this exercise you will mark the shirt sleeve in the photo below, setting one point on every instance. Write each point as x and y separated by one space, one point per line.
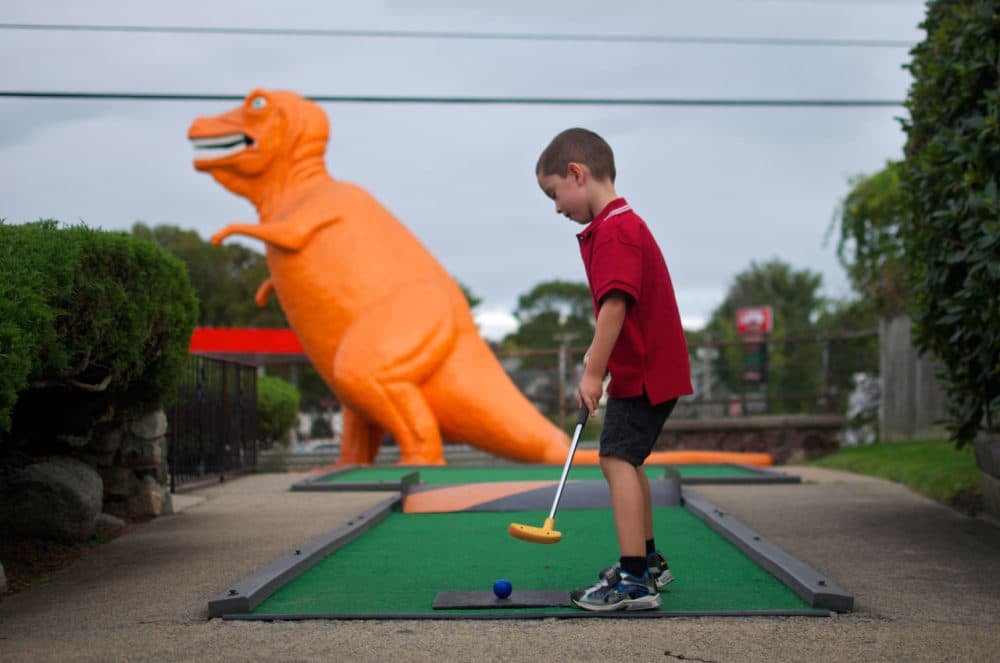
616 264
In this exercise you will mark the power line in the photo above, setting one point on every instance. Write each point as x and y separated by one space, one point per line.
465 100
466 35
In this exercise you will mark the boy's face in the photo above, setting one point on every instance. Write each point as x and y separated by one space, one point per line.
569 193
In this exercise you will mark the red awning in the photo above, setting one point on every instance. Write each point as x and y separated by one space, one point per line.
231 340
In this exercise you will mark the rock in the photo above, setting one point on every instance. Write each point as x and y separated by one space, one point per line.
147 499
72 440
117 481
151 426
103 448
57 499
142 453
106 442
3 580
102 461
117 508
109 524
167 506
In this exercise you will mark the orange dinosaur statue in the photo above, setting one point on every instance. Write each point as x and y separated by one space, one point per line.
382 321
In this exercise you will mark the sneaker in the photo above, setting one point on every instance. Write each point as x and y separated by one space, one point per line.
619 591
657 565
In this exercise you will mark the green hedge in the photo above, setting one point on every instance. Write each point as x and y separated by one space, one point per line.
90 321
951 173
277 410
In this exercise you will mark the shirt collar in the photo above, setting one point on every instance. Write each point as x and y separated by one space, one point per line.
614 208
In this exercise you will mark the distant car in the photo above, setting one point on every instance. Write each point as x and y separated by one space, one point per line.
316 447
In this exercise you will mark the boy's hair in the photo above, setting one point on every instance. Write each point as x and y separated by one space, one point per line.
580 146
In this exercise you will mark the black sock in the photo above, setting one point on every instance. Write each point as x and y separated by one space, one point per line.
650 547
635 566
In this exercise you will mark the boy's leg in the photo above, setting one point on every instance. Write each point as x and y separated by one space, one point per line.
627 505
631 427
630 586
647 501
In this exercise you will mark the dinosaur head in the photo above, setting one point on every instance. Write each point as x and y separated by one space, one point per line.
274 141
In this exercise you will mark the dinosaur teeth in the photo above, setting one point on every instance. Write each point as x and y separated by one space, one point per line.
216 147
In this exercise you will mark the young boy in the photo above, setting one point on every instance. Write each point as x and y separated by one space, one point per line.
638 339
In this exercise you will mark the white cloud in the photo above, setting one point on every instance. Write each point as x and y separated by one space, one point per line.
495 324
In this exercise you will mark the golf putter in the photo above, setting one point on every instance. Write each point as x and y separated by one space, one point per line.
547 532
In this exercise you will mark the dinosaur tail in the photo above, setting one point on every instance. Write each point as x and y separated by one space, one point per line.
479 404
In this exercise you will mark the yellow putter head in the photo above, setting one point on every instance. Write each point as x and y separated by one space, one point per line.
543 534
547 532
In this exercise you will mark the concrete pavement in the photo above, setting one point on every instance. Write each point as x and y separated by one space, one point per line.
923 577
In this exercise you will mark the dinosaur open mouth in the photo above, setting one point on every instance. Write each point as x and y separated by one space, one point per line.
217 147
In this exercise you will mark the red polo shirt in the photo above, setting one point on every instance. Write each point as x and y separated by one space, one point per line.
620 253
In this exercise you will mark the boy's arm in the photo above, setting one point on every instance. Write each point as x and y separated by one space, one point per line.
610 318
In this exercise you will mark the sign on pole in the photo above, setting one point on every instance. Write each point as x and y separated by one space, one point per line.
754 320
753 324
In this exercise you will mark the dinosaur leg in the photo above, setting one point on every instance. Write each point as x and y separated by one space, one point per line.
359 439
384 358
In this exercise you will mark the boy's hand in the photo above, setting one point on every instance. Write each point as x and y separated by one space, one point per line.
589 392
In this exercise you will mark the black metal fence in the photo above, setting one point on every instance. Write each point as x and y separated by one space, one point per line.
782 375
213 425
805 375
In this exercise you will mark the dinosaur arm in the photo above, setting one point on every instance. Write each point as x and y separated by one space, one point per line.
263 292
290 235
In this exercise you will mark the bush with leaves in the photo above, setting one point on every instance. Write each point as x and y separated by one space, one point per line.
90 322
277 410
952 239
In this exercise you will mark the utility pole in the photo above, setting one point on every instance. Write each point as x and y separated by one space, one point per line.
564 340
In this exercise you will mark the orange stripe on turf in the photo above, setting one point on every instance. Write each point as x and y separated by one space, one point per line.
686 457
695 456
448 499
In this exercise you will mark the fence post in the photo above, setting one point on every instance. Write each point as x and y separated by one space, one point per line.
224 438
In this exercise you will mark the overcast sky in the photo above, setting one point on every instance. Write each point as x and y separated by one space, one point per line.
719 186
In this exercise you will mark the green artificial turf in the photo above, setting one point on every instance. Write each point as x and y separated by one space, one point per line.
446 475
399 566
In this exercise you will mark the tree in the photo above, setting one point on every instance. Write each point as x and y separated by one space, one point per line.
550 310
870 247
794 366
224 278
469 296
952 236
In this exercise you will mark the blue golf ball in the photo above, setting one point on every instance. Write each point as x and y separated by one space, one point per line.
502 588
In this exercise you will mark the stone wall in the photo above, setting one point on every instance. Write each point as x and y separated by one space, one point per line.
133 465
117 473
789 439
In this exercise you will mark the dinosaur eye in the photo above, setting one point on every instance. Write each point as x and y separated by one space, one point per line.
258 102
